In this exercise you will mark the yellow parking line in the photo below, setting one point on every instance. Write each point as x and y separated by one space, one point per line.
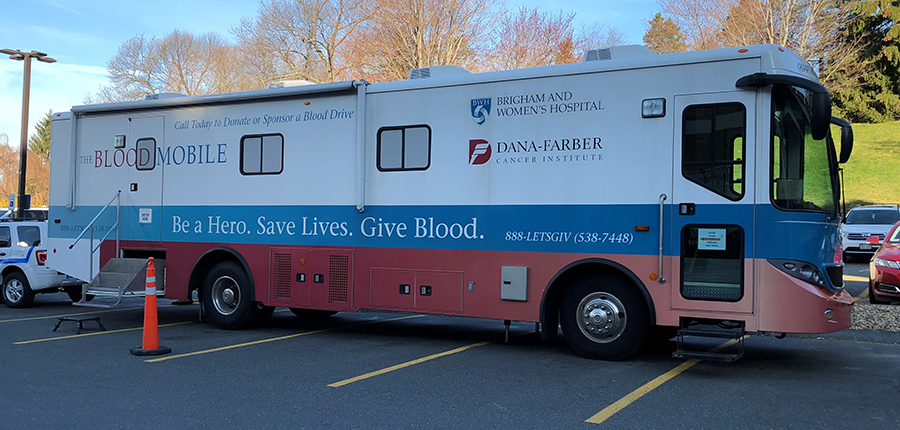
620 404
25 342
862 295
257 342
407 364
855 278
71 315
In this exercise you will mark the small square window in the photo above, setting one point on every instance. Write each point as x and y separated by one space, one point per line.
404 148
262 154
146 153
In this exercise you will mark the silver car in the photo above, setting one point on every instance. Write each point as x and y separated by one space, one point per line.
863 222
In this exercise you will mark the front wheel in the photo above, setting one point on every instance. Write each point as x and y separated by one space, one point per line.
604 317
17 291
228 297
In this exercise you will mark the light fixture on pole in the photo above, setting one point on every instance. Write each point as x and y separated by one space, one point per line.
23 142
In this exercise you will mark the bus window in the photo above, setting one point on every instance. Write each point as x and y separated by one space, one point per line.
713 148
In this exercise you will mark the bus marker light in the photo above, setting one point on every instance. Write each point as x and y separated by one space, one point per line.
743 50
642 228
829 314
654 276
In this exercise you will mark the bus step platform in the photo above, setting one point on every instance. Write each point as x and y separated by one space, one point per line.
727 352
121 278
706 356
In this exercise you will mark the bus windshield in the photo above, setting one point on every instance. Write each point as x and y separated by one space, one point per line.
803 169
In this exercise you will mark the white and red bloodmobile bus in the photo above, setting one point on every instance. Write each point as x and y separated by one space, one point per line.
622 193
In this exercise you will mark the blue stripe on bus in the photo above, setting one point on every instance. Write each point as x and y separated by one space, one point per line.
600 229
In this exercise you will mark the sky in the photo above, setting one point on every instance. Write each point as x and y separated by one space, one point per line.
83 35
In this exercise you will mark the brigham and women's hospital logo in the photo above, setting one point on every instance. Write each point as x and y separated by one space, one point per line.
481 110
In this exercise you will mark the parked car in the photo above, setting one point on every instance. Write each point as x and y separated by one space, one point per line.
863 222
22 265
33 214
884 270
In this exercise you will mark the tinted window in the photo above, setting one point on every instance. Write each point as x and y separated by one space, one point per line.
873 217
4 237
29 235
713 148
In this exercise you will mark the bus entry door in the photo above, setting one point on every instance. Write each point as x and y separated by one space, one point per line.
712 203
142 193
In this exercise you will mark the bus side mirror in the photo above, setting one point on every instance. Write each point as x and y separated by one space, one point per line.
846 138
821 115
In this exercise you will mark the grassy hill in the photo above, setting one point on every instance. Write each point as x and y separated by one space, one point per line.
873 173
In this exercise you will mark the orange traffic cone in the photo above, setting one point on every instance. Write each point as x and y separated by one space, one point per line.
151 328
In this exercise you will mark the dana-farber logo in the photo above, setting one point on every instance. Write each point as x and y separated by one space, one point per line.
479 151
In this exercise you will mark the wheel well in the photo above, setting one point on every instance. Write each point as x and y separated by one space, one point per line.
209 260
9 270
569 274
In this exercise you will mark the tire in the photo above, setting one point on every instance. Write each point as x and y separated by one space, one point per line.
609 299
311 314
17 292
74 293
228 297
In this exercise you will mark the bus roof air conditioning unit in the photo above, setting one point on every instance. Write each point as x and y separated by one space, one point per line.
437 72
292 83
616 52
162 96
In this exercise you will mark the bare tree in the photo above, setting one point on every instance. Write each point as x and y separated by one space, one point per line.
700 20
531 38
179 62
302 39
814 29
409 34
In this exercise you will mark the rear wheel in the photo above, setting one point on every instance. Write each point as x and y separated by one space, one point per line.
604 317
16 291
229 298
74 293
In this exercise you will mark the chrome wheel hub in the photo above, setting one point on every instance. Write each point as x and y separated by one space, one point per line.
226 295
14 290
601 317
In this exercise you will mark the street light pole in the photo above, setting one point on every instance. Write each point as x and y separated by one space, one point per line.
23 141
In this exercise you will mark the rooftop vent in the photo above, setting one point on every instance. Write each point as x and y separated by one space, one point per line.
162 96
436 72
615 52
285 84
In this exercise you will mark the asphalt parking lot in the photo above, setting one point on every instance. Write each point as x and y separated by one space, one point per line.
385 370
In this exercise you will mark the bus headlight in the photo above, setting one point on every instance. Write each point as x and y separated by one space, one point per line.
800 270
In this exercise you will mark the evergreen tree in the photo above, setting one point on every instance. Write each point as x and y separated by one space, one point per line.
39 142
663 36
876 98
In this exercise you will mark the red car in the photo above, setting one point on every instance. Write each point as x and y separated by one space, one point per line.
884 270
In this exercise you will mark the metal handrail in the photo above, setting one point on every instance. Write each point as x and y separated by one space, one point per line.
91 224
90 227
